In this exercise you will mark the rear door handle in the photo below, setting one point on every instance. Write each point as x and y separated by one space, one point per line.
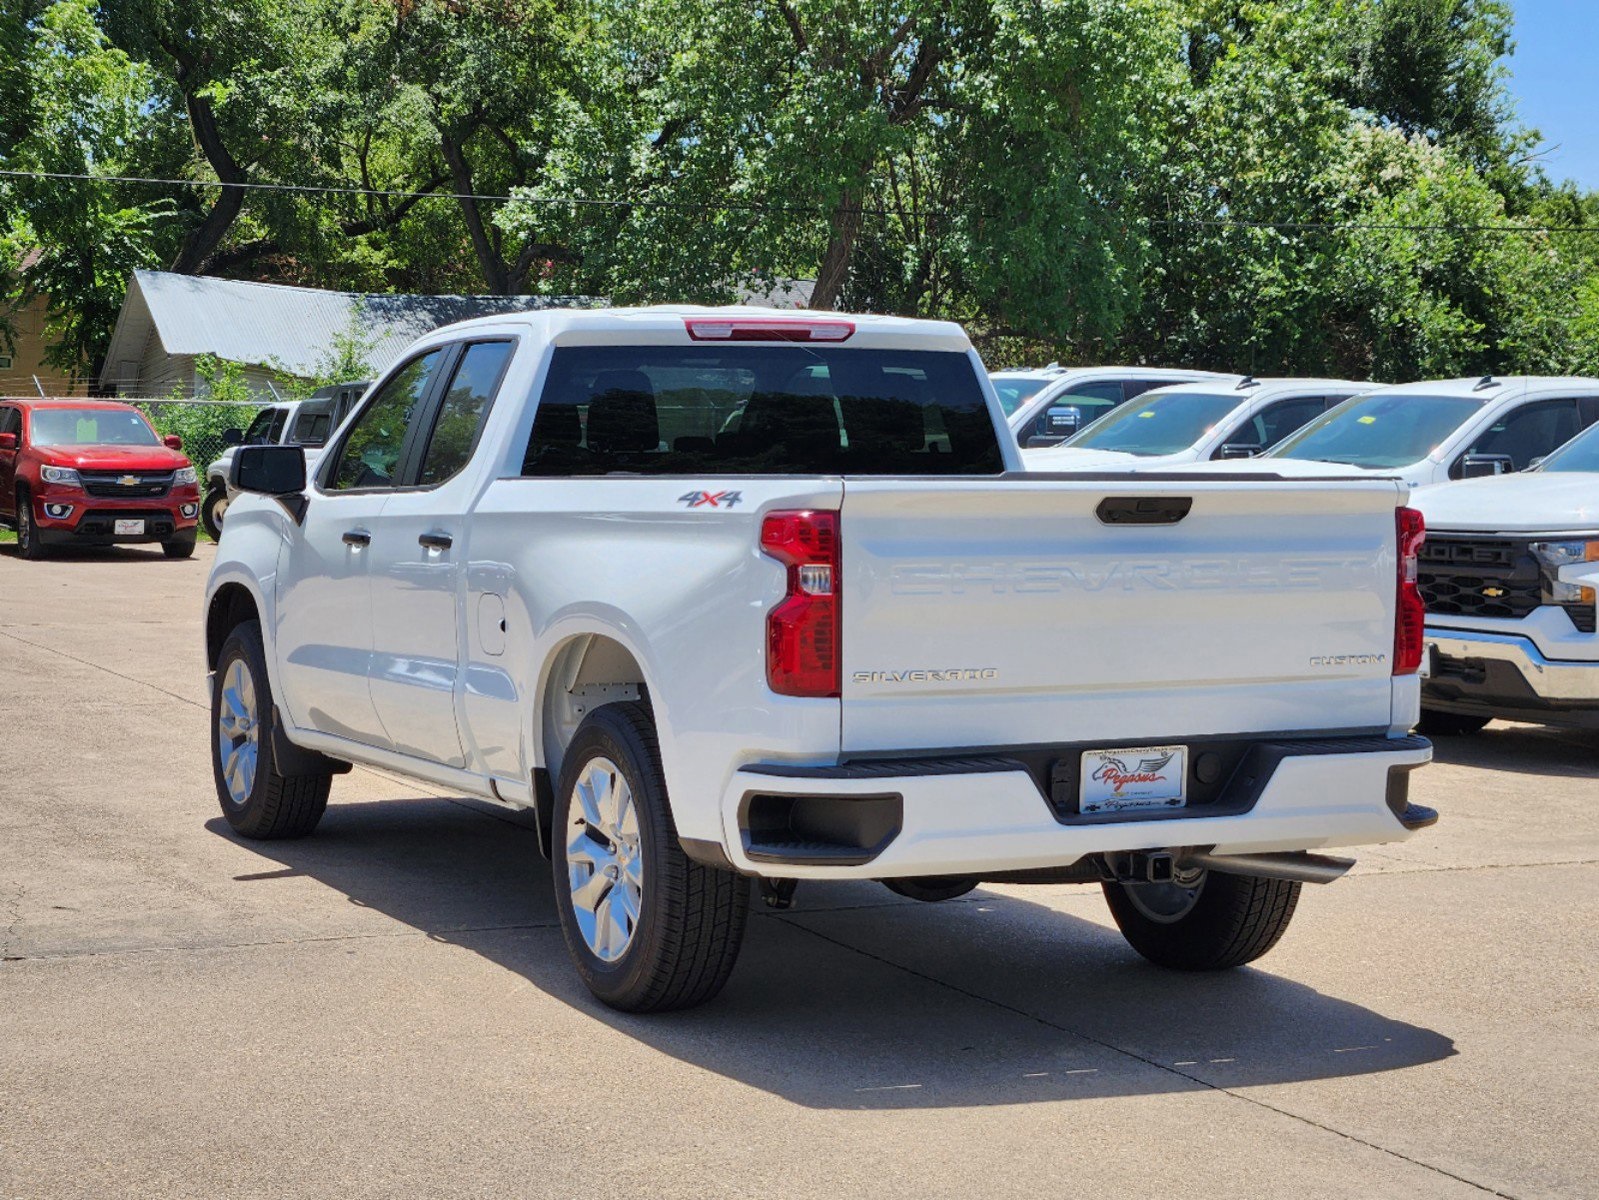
357 537
436 541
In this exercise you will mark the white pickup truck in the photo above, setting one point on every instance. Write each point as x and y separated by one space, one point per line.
1510 575
841 637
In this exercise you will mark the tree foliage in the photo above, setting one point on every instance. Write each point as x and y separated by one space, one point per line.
1272 185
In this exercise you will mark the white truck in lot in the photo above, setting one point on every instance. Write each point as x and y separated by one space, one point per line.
1044 406
538 567
307 423
1184 423
1440 430
1509 574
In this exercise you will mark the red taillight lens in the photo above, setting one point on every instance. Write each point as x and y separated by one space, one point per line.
802 633
1410 613
759 329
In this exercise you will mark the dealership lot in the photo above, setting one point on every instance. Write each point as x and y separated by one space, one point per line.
386 1007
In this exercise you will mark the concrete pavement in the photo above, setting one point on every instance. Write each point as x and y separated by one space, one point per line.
386 1008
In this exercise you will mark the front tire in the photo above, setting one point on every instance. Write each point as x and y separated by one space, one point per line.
256 799
1208 924
28 543
179 547
1436 723
648 928
212 510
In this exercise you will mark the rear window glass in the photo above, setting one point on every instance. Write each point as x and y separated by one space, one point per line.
761 410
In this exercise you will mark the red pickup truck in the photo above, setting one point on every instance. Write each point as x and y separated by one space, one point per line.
93 473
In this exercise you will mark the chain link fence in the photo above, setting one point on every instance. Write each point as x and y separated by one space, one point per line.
199 423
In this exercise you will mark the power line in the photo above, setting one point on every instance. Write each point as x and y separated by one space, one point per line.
752 206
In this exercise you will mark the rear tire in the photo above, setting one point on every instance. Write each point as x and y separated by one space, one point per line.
1222 921
647 928
28 543
1435 723
212 509
179 547
256 800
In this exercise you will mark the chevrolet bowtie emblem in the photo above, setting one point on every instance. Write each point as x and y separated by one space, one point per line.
1493 593
129 481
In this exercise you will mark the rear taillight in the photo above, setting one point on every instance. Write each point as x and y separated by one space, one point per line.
1410 613
802 633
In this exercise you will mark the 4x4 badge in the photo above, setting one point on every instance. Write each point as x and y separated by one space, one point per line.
710 499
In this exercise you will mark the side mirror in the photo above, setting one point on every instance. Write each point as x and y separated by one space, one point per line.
172 442
1060 421
8 441
1240 450
232 437
276 471
1478 466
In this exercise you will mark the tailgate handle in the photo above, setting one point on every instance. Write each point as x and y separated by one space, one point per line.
1143 510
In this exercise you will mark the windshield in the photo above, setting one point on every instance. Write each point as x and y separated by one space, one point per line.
1015 391
89 427
1579 454
1156 423
1380 430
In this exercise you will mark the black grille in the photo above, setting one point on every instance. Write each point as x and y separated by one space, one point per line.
1486 577
126 485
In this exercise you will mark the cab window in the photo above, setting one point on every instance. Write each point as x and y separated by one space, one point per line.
373 450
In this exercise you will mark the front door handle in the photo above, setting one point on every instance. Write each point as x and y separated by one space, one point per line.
357 537
435 541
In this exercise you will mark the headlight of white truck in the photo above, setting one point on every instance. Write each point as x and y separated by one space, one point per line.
1552 556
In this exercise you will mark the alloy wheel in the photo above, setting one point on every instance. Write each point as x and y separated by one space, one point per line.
604 861
1167 903
238 731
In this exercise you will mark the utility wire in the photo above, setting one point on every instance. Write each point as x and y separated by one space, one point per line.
752 206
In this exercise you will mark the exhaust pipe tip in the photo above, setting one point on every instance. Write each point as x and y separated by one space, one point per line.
1298 866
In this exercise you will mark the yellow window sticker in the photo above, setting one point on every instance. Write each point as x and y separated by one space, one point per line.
1367 420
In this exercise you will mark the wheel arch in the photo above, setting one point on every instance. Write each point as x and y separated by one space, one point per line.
230 605
582 671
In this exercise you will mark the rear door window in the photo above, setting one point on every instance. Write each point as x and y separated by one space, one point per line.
462 410
761 410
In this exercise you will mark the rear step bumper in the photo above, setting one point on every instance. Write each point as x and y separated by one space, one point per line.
979 815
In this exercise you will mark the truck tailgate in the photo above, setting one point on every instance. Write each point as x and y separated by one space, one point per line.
1011 612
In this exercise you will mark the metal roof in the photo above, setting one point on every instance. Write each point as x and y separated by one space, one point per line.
291 329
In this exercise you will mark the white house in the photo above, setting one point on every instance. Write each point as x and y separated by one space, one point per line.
273 330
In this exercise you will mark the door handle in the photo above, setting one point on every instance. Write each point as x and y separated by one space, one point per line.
357 537
435 541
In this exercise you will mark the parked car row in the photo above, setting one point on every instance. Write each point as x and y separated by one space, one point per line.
1505 472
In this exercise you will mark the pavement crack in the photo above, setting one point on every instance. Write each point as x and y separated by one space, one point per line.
1147 1061
13 919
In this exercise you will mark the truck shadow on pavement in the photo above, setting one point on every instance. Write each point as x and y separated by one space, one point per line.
858 999
1509 749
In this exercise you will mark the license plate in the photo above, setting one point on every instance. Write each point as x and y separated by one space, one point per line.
127 528
1133 779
